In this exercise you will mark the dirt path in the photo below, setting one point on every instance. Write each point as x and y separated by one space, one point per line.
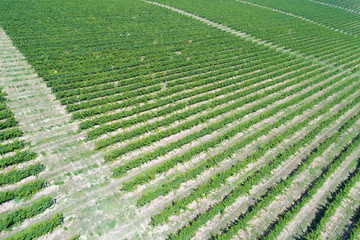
298 17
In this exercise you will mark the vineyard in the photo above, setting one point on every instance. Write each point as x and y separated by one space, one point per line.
180 119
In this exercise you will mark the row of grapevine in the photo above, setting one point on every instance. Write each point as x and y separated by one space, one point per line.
223 59
145 198
355 229
332 202
18 157
204 79
196 110
25 191
12 146
277 226
275 94
304 37
38 229
220 178
16 175
14 151
192 97
319 13
272 192
7 220
349 5
150 173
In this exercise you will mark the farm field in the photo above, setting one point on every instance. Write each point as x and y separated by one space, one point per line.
180 119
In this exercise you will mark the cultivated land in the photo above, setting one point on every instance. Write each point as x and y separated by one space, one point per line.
180 119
